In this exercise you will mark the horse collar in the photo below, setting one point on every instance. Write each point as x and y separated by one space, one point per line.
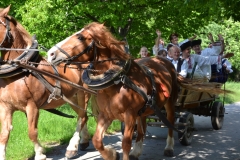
108 78
12 69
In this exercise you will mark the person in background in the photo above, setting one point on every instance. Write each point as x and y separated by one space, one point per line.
195 61
169 57
159 43
144 52
180 65
215 50
216 69
210 45
173 38
162 53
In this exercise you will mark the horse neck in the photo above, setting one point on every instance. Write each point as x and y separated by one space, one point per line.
71 73
104 55
18 43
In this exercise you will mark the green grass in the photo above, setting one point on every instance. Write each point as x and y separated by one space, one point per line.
234 97
56 129
51 129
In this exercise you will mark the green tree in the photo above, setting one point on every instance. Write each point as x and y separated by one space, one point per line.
137 20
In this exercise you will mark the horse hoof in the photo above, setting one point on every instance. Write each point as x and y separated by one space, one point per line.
83 146
71 154
168 152
131 157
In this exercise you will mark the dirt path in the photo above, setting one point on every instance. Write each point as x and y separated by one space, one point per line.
207 143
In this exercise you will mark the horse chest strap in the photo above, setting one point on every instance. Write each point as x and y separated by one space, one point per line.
126 81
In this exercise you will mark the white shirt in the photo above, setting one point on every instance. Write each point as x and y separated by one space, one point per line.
156 49
228 65
214 51
184 67
169 58
201 61
206 69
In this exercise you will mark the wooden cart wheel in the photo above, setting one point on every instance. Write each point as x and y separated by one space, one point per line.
217 116
186 137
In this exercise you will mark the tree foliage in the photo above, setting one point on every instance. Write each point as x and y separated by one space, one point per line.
137 20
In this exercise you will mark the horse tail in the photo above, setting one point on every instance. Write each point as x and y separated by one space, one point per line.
200 86
94 106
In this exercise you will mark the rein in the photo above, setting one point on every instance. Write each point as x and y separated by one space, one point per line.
19 49
24 65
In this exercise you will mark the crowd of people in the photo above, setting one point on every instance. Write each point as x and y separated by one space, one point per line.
208 64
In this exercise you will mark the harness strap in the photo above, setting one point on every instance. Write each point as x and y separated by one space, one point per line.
7 31
55 91
8 34
153 105
126 81
194 68
57 112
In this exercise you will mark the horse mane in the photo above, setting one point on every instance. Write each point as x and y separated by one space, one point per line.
104 38
21 30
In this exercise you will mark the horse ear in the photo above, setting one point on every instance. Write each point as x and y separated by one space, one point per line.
104 24
4 13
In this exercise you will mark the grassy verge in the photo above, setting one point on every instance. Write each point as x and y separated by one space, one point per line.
56 129
231 98
51 128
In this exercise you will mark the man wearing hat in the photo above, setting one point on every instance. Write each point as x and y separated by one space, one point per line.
215 50
195 61
206 69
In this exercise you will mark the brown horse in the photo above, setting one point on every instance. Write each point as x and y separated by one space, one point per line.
23 91
128 89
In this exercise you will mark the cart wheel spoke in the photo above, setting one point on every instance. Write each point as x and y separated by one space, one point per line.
186 137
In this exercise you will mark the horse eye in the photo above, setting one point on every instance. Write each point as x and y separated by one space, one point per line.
81 38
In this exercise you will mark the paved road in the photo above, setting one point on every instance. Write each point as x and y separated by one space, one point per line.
207 144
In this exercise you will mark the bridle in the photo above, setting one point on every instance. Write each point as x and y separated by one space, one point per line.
70 59
8 35
86 50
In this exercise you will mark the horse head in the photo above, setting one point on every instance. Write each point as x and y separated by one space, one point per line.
89 44
5 36
9 30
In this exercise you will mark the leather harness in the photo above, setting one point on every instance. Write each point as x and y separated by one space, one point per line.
116 78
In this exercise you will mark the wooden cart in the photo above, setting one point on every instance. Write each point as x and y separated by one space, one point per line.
191 103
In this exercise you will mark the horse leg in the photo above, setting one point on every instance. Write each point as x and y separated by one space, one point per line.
6 127
81 130
84 134
130 122
107 152
32 117
169 106
138 146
